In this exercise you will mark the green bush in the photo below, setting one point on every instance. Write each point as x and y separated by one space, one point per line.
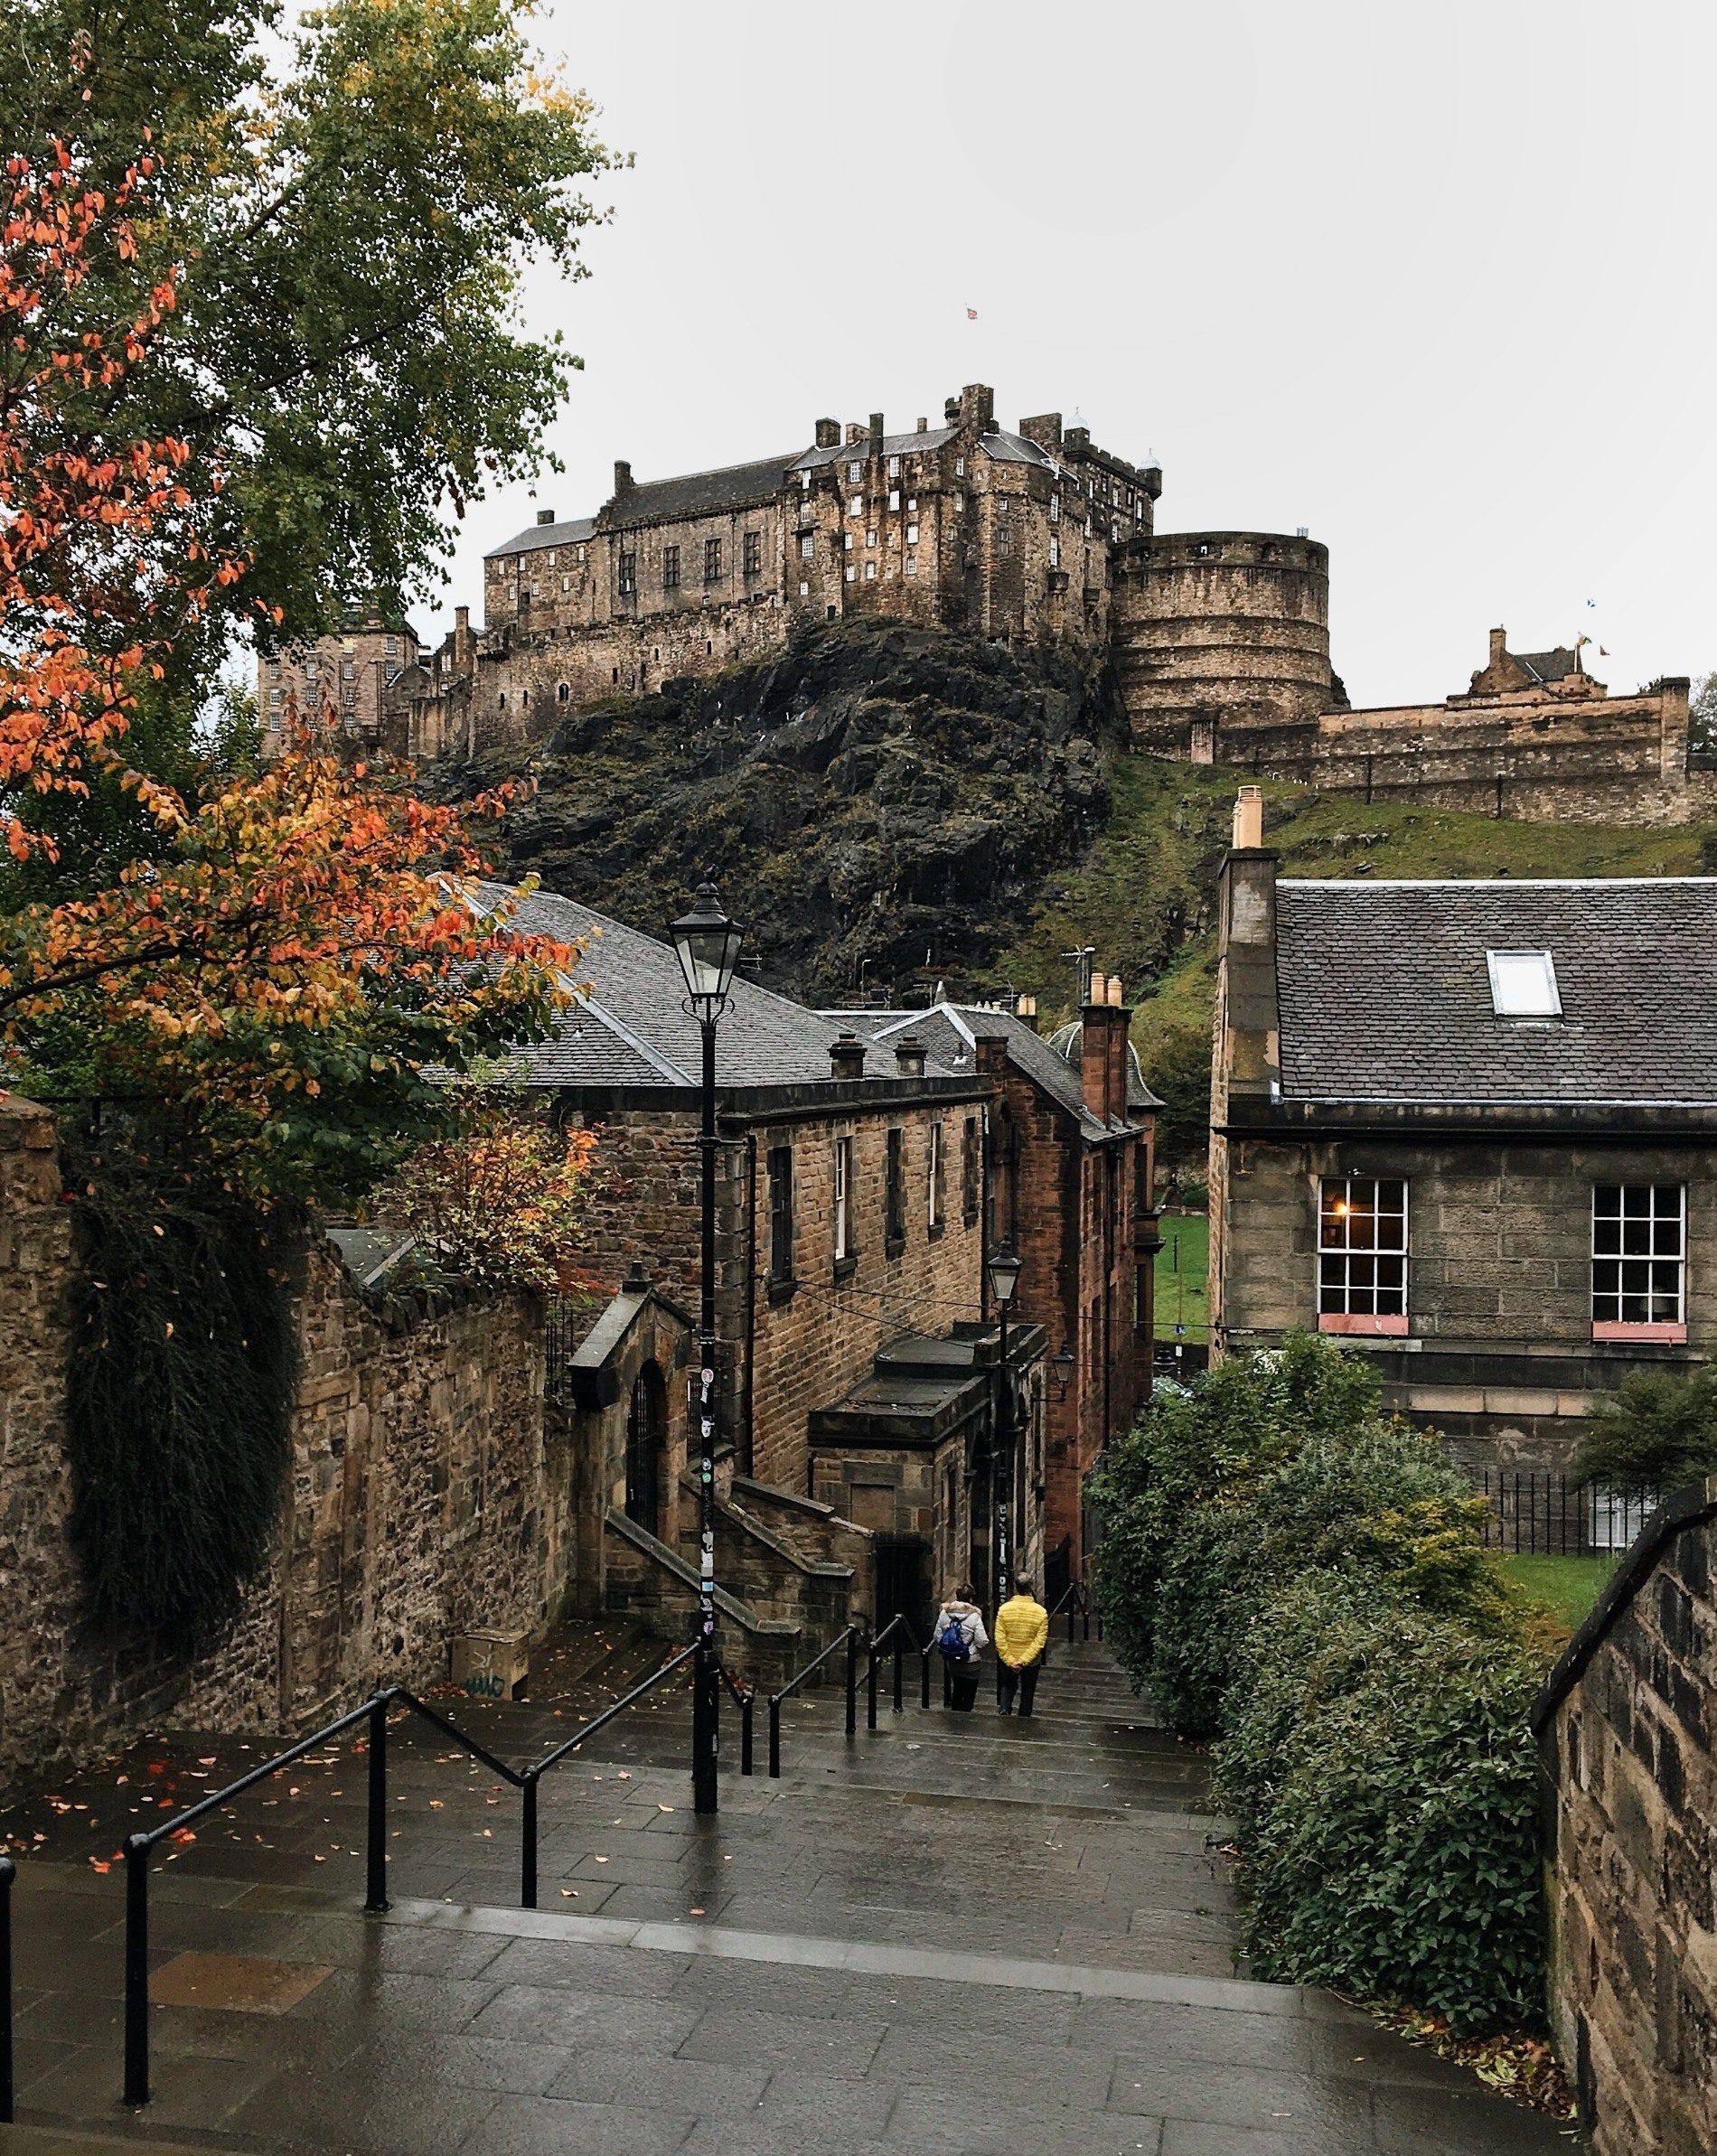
1654 1430
1383 1782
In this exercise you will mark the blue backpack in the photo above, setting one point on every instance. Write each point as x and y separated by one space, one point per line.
951 1642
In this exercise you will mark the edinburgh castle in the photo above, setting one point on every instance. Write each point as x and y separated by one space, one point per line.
1219 640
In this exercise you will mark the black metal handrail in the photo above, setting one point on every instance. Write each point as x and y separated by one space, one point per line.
139 1847
893 1629
8 1873
1078 1604
850 1638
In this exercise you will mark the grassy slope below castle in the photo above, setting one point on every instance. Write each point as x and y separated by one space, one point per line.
1145 894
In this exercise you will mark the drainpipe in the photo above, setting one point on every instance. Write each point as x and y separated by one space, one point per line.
747 1393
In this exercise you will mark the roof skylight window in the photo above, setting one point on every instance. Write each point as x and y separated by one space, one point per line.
1523 984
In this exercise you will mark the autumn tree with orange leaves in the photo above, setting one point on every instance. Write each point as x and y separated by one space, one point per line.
286 973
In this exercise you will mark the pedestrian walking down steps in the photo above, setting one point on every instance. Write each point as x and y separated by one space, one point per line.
1022 1634
961 1638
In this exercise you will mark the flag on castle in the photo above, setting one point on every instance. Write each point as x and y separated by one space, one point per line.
971 313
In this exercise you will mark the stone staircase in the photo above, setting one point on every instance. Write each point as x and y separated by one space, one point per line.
957 1935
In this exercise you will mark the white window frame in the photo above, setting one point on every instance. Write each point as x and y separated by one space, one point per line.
1348 1301
854 470
912 535
1523 984
1652 1280
844 1198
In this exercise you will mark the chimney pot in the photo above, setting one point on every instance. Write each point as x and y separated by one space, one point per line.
545 516
1115 991
847 1056
1099 990
1249 820
909 1057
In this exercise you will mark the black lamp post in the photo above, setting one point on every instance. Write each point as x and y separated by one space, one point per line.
1004 1278
708 945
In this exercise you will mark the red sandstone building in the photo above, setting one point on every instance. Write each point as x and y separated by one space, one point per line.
1069 1176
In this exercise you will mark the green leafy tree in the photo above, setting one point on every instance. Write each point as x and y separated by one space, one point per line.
345 210
1654 1430
1701 717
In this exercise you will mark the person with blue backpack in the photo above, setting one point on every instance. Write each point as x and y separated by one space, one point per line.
960 1638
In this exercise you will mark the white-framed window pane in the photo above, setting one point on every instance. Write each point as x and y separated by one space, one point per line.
1638 1254
1362 1244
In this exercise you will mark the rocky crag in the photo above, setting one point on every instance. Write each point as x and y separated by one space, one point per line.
881 805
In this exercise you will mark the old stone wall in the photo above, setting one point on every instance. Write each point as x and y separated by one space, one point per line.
1627 1734
1499 1354
424 1497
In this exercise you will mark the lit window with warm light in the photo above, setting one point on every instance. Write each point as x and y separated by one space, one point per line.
1362 1254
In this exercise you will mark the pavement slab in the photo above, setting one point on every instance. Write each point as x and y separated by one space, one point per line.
952 1934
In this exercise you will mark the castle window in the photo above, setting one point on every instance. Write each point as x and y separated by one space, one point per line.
846 543
711 560
870 538
856 507
911 505
753 545
843 1199
960 467
894 497
808 546
563 694
581 557
912 564
1054 553
566 584
1004 538
894 1192
960 503
893 467
502 700
932 1209
392 647
628 574
781 1236
870 572
670 568
852 573
1054 509
855 471
912 535
804 591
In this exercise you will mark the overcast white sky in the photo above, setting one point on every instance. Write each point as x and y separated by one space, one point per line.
1433 281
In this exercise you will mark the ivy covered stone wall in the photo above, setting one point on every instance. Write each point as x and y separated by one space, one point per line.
425 1495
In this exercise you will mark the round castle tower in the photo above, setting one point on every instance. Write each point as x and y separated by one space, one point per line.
1222 640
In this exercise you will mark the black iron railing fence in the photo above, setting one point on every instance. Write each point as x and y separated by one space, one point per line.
1079 1610
1536 1511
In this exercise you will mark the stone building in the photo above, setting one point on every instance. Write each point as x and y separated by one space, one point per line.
1069 1184
1625 1728
1228 671
860 1361
348 681
959 525
1471 1126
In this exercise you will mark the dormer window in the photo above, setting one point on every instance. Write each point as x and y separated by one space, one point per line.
1523 984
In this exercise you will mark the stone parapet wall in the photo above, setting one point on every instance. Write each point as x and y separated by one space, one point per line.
424 1497
1627 1735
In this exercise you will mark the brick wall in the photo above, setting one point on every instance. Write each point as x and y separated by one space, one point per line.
424 1497
1499 1273
1627 1730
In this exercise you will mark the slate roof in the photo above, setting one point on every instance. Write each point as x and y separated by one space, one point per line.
533 536
912 444
628 1029
1548 666
702 493
950 1033
1385 992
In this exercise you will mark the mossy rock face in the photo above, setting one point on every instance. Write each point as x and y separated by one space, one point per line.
877 801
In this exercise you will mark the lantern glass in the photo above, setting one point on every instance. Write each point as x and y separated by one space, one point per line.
1004 1274
708 945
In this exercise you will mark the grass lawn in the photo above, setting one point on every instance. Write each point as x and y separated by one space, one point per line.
1181 1266
1566 1586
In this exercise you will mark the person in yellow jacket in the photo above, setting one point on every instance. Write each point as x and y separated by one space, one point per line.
1022 1633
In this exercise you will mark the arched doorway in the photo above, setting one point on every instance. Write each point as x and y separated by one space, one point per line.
646 1441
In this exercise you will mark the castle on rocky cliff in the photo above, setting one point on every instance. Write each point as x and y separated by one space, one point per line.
1219 640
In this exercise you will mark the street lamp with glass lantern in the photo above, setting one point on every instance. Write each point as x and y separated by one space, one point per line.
1003 1269
707 945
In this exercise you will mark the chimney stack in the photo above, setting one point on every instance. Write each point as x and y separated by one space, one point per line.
545 516
909 1057
461 640
1498 646
1026 1011
855 432
1249 820
875 434
922 424
847 1056
978 404
951 411
623 477
828 434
